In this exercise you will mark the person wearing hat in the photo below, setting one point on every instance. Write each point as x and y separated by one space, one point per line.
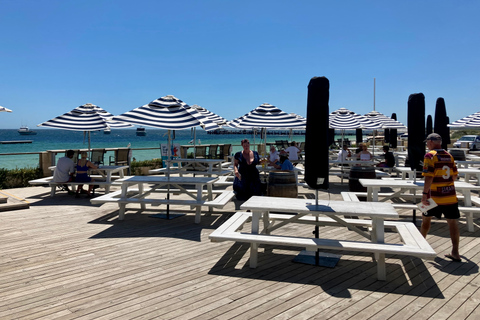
440 172
284 163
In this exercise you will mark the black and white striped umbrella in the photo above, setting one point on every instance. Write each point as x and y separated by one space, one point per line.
3 109
384 122
269 117
215 118
344 119
86 118
168 113
471 121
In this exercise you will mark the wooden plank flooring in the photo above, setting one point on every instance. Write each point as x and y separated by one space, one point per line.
64 258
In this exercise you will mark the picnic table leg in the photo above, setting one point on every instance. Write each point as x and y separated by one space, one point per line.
198 209
143 206
369 194
256 215
210 196
52 190
467 200
378 236
122 205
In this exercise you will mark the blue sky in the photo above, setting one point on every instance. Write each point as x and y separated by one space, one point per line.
232 56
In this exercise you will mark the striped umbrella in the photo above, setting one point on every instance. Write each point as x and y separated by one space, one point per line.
267 116
3 109
86 118
344 119
472 121
384 122
168 113
215 118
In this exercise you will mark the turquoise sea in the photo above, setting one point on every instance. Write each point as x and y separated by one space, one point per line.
52 139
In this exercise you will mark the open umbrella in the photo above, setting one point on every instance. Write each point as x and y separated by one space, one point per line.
215 118
169 113
267 116
344 119
384 122
86 118
3 109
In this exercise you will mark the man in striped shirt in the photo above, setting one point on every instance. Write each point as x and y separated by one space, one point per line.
440 172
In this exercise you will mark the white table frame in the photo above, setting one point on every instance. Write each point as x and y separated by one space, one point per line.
163 181
261 207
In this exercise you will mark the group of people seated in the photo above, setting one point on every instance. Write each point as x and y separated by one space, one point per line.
67 171
363 154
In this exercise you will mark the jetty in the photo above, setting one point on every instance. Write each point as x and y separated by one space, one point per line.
16 141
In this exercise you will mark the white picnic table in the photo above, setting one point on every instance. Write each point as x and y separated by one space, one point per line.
142 194
466 163
468 172
204 166
374 185
107 171
308 212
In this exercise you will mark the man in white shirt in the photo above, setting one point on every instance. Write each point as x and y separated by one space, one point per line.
343 154
65 169
293 151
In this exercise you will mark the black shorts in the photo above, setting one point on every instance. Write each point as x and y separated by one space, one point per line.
450 211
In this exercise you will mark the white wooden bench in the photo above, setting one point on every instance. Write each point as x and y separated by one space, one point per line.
222 198
414 244
53 185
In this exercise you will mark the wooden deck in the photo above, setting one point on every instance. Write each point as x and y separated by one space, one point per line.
64 258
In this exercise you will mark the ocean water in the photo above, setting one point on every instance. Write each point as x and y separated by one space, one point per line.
53 139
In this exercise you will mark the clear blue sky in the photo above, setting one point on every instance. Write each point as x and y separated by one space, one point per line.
232 56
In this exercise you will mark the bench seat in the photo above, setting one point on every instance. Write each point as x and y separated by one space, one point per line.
222 198
74 184
413 242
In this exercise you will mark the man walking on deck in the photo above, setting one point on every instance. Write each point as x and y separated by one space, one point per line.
440 172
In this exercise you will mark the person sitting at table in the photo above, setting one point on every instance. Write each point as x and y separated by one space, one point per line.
284 163
343 154
293 151
274 156
64 170
82 174
247 178
364 155
389 158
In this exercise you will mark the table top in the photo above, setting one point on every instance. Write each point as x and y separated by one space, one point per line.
163 179
380 183
111 167
204 160
365 209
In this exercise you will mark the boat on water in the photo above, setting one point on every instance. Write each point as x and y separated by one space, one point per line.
25 131
107 131
141 131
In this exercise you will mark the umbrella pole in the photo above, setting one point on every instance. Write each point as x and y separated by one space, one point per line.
169 157
414 197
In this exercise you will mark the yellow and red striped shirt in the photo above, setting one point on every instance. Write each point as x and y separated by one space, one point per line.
440 165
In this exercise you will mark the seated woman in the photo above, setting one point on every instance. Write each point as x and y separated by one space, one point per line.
364 155
284 163
82 174
247 178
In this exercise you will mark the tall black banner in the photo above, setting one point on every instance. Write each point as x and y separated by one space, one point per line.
416 130
316 133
